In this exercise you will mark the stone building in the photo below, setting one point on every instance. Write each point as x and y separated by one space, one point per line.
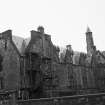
33 68
39 57
10 63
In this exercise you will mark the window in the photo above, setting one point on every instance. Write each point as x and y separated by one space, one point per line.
1 83
1 60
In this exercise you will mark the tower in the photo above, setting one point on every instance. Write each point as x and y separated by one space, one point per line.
40 29
89 41
69 54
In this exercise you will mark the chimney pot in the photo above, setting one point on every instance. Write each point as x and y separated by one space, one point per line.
40 29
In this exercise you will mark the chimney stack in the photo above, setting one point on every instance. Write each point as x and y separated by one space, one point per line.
68 47
7 34
40 29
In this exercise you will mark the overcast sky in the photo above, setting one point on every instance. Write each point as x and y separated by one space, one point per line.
65 20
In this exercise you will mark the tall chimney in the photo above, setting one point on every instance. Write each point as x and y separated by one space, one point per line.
7 34
68 47
40 29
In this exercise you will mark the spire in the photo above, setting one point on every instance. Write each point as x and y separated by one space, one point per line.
89 41
88 30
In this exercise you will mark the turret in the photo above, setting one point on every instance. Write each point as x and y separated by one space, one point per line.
89 41
69 54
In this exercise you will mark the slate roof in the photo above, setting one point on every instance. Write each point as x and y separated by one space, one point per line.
18 41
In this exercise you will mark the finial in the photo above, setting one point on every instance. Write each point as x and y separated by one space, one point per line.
88 29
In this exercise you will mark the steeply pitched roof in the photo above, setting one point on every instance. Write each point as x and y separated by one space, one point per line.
18 41
27 40
102 57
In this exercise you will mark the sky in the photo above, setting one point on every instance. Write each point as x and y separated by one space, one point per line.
65 20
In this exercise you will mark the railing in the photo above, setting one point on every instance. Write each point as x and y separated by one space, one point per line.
89 99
